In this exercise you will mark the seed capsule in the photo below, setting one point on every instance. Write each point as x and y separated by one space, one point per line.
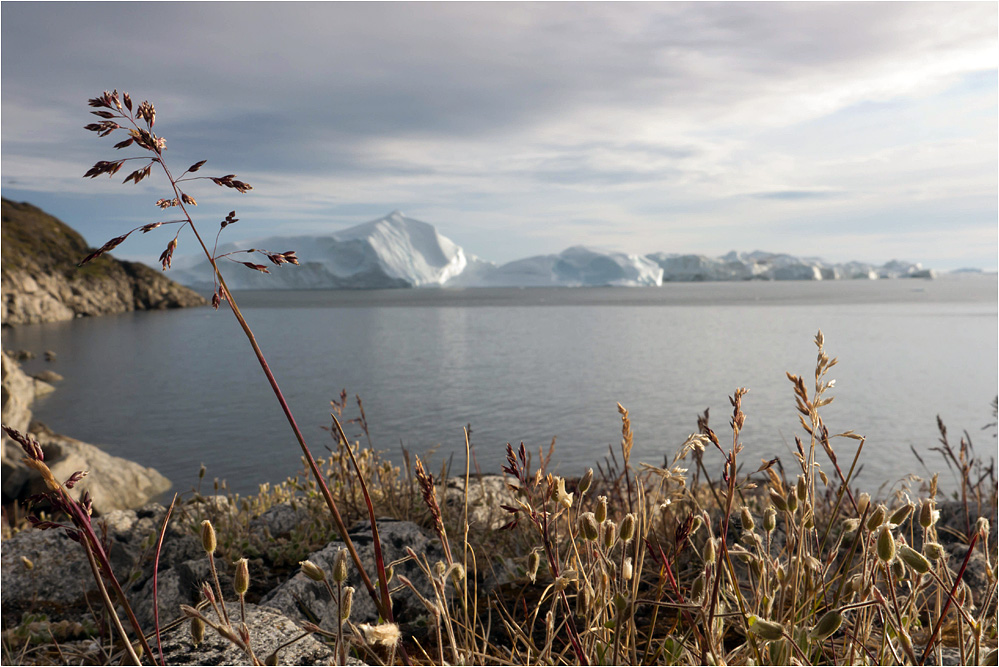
312 571
601 512
886 545
747 519
928 514
346 603
208 540
588 526
802 488
933 551
877 518
914 559
826 626
584 483
863 500
778 500
627 570
792 501
610 534
628 527
765 629
770 520
533 562
197 630
899 516
241 580
340 566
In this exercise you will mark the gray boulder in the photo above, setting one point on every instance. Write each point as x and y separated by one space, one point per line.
395 536
268 629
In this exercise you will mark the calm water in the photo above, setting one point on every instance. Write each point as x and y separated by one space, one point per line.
177 389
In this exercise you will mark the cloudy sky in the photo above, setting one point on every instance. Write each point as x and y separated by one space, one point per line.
848 131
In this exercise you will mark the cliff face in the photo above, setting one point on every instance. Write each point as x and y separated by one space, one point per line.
41 281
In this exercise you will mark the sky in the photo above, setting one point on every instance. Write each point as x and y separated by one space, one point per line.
848 131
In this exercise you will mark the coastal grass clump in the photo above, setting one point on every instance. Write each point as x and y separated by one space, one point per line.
670 562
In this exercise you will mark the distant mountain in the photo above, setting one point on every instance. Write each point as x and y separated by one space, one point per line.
398 251
41 281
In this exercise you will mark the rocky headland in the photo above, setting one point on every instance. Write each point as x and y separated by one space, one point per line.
41 281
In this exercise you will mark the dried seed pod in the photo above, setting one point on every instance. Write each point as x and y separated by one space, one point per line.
857 583
26 562
778 500
588 526
801 489
628 527
346 603
601 511
982 527
747 519
863 500
898 570
208 540
610 534
197 630
312 571
827 625
586 481
877 518
709 550
241 580
914 559
767 630
697 588
533 562
886 545
899 516
933 551
340 566
564 499
627 569
792 501
770 520
928 514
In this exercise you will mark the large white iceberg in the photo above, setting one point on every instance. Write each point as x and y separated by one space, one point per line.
394 251
574 267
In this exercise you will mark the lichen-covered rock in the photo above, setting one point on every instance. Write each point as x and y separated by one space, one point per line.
395 536
41 281
268 629
486 494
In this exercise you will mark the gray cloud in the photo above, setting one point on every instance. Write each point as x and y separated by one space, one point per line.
513 107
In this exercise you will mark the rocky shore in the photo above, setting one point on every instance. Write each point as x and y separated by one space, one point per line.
42 283
113 483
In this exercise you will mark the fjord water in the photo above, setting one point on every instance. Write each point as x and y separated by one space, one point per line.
177 389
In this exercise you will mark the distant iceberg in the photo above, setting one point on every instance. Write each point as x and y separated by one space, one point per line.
760 265
398 251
